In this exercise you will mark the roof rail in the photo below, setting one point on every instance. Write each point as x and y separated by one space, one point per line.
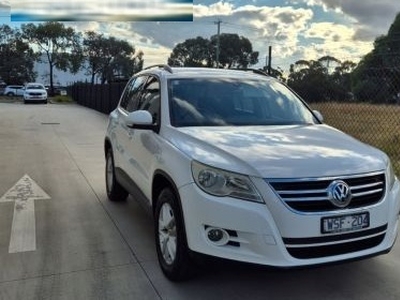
256 71
163 66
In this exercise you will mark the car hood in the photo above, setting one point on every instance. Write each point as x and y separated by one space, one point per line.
35 91
278 151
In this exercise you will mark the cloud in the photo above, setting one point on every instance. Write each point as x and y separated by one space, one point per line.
260 24
216 9
335 40
286 28
371 17
294 29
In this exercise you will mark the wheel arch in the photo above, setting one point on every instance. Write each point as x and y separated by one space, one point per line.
162 180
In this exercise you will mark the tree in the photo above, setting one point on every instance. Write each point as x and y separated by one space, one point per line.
16 58
377 76
192 53
314 81
110 58
341 79
235 51
124 66
328 62
56 44
309 80
93 51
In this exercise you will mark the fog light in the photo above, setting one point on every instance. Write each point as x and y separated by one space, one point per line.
217 236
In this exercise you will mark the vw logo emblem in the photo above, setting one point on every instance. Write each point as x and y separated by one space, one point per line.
339 193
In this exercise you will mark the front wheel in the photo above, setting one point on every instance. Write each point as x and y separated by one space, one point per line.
115 191
170 237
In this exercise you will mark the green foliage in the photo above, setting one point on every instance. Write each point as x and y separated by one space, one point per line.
110 58
192 53
16 58
323 80
235 52
64 49
59 45
377 77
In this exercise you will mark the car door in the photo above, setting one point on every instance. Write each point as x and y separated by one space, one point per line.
123 134
145 147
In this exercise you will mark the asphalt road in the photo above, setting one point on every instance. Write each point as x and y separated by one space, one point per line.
77 245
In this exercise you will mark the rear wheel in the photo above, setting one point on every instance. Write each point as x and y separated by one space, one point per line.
115 191
171 244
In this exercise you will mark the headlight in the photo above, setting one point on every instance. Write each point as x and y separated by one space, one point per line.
221 183
390 175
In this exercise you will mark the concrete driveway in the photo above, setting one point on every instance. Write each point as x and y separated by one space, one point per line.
60 238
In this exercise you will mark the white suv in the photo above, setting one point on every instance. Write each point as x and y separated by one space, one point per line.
35 92
14 90
234 165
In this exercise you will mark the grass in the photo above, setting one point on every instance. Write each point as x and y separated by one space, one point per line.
377 125
61 99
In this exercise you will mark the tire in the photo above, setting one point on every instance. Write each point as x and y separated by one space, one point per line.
115 191
170 237
10 94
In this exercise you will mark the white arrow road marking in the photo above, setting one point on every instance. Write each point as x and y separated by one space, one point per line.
23 229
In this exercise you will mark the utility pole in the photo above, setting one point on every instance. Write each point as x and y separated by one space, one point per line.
218 33
269 59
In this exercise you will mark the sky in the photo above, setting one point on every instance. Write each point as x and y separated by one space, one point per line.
296 29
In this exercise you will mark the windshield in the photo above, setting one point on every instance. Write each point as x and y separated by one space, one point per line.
35 87
225 102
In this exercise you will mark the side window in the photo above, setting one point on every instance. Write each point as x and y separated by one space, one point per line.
150 99
130 100
125 98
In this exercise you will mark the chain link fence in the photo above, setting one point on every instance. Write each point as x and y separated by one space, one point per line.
364 103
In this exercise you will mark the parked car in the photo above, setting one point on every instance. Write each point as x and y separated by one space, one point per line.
35 92
62 91
57 90
2 87
235 165
14 90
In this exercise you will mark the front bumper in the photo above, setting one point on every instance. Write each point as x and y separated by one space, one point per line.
266 234
35 98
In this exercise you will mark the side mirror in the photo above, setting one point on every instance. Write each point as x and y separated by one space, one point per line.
140 119
318 115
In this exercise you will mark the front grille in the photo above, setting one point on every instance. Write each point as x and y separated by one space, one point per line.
315 247
311 195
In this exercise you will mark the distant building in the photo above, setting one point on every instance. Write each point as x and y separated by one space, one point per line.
59 77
